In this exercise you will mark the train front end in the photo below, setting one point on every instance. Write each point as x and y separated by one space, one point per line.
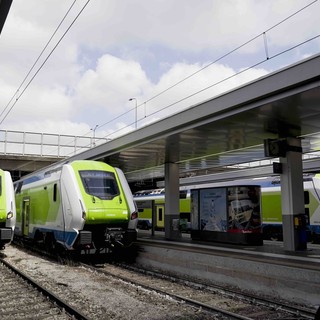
108 210
7 208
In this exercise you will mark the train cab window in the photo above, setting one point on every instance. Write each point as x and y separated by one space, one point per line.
101 184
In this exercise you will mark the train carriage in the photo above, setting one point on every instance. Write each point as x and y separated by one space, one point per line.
83 206
143 199
7 208
270 205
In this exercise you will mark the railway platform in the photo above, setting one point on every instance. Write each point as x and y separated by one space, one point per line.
268 269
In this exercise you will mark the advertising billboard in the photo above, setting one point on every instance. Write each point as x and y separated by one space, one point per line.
218 214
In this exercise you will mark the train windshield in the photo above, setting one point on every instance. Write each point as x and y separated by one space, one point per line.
100 184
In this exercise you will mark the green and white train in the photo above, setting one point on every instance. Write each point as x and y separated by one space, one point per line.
7 208
270 205
83 206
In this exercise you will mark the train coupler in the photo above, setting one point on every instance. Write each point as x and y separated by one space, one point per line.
114 236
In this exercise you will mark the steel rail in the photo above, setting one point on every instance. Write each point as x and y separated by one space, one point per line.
296 311
188 301
62 304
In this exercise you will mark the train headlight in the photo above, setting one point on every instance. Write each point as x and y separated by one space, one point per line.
10 215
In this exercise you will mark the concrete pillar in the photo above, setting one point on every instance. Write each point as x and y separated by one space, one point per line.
292 195
172 202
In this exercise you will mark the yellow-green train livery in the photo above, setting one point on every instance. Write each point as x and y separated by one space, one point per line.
83 206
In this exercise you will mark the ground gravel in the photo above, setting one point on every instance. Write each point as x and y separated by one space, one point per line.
99 296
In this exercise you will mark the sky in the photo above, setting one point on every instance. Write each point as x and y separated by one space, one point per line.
167 55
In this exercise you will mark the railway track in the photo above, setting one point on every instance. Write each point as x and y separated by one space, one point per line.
217 300
220 302
23 298
100 296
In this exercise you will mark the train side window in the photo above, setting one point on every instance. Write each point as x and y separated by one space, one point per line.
160 214
306 197
55 191
183 194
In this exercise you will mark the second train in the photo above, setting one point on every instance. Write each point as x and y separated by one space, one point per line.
271 213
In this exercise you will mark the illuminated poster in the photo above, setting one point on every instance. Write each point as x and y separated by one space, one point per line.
244 209
213 209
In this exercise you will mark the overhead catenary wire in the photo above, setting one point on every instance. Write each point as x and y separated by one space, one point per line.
36 61
44 62
232 51
214 84
17 95
240 72
262 34
206 88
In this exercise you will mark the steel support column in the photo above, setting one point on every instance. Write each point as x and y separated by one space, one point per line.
292 196
172 204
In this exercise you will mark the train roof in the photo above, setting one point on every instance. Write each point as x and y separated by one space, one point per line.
46 172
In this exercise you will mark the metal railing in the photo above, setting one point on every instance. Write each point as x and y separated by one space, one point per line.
21 143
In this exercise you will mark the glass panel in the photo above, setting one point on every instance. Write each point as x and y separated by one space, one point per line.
213 209
244 209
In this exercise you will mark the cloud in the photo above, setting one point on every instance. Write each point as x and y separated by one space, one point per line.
117 50
185 25
102 94
111 84
41 103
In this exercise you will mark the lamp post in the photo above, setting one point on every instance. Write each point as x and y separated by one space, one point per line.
94 134
136 122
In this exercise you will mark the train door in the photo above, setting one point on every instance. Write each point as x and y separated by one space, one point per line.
160 216
25 216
